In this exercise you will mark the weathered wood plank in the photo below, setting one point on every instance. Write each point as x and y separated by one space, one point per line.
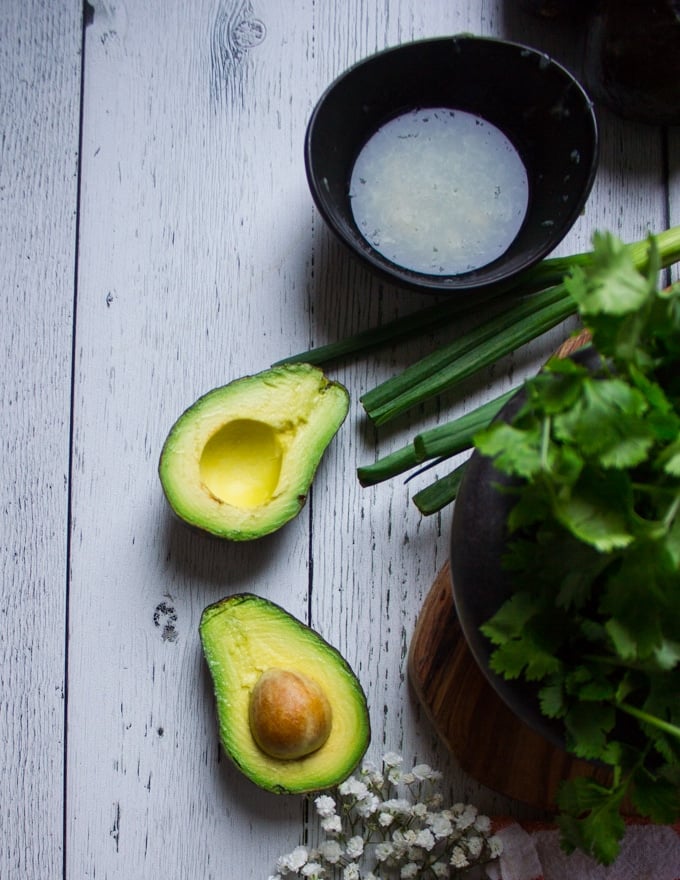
202 259
193 271
39 117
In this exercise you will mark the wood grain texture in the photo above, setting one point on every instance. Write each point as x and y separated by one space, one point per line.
200 259
39 116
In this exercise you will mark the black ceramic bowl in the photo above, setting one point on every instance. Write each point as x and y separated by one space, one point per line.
535 102
480 583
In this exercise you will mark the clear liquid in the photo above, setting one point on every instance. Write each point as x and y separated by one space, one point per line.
439 191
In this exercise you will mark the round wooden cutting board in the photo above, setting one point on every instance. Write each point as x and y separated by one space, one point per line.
491 744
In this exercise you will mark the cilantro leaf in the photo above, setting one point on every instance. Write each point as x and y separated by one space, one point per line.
591 819
613 286
655 797
607 422
596 510
515 452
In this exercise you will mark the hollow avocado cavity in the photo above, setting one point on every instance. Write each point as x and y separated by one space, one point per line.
241 463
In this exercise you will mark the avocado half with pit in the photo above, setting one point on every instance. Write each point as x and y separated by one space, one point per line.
292 714
239 462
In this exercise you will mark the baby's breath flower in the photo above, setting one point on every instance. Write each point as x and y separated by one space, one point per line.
293 861
435 800
483 824
330 851
474 846
467 817
332 824
383 851
394 775
425 839
458 858
392 759
325 806
351 872
372 773
367 805
495 846
440 825
425 773
398 806
355 846
353 786
390 823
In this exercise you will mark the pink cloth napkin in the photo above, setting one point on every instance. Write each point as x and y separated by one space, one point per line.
531 851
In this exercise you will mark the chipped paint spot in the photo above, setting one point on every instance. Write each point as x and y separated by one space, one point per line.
115 828
165 618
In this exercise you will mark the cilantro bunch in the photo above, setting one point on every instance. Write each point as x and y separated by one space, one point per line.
594 547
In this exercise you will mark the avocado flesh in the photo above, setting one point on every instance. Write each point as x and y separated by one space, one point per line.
245 635
239 462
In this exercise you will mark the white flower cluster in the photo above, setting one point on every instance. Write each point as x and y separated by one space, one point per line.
389 823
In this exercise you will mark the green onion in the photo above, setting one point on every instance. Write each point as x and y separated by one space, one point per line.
464 357
457 436
440 493
389 466
437 443
524 321
545 274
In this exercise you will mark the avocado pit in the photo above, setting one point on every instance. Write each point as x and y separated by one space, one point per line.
289 714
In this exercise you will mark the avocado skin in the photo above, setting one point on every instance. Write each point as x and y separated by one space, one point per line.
244 634
300 408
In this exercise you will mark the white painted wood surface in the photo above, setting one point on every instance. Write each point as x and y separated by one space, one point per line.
39 122
175 249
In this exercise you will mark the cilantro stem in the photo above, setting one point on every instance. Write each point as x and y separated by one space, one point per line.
672 512
659 723
545 442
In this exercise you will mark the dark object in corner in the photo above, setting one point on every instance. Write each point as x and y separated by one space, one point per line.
632 60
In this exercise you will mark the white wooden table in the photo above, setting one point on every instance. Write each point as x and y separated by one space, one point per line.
157 238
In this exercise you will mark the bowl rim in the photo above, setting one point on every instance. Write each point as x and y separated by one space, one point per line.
464 281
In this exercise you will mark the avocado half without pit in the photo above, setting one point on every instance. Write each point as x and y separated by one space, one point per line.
239 462
292 714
